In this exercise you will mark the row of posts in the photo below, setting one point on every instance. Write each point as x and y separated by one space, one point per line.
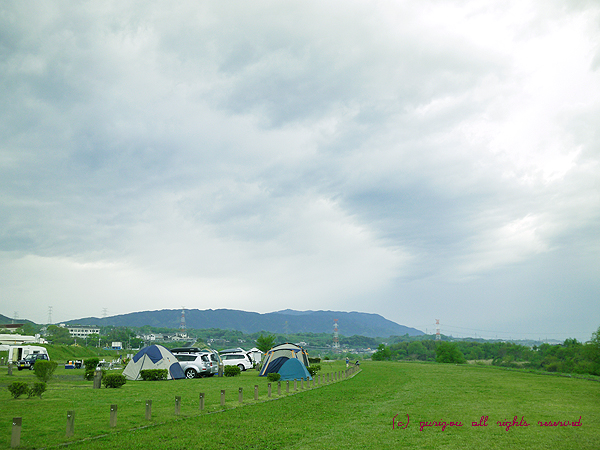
335 376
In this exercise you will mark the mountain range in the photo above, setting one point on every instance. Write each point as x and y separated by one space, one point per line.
284 322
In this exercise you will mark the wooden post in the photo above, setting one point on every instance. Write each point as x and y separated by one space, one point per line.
201 401
287 388
279 388
177 405
240 396
220 372
97 379
113 416
148 409
269 389
10 368
15 439
70 423
222 397
256 392
301 383
328 377
295 384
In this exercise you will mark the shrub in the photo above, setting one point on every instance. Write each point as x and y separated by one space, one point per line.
90 367
154 374
313 369
314 360
449 353
232 371
44 369
113 380
37 390
18 388
273 377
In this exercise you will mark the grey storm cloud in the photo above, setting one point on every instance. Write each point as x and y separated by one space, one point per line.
416 160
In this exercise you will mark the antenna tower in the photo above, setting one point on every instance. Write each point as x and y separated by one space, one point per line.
182 321
336 342
438 336
49 315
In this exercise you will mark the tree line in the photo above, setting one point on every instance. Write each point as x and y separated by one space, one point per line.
571 356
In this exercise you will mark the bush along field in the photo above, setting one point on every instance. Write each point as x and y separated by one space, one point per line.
385 405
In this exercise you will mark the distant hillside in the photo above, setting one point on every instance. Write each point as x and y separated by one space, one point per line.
8 320
284 322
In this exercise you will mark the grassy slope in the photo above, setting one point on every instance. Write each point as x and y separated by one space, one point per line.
356 413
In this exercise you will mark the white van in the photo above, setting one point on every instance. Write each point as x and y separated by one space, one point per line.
18 352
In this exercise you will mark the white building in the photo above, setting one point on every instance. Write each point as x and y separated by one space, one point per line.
82 331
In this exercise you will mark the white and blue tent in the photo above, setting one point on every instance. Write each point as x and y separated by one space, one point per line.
153 357
279 356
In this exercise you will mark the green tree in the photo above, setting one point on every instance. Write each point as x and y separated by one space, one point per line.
265 343
449 353
383 353
59 335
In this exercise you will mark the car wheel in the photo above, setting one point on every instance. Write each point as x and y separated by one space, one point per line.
241 366
190 373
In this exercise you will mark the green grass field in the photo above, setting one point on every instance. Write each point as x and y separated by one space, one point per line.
357 412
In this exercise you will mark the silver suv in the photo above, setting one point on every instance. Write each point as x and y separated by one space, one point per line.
196 362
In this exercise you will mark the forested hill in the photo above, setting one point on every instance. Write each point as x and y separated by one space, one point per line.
7 320
284 322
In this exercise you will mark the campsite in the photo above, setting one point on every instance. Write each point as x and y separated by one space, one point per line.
357 412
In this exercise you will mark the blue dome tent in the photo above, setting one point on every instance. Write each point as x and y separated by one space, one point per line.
153 357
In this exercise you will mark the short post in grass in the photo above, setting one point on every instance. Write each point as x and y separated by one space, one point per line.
148 409
287 387
113 416
15 439
177 405
301 383
10 368
279 388
70 423
240 396
328 377
222 397
269 389
201 401
97 379
256 392
295 384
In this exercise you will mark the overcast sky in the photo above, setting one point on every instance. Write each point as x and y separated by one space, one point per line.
420 160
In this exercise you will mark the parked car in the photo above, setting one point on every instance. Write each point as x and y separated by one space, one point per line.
240 359
29 360
196 362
